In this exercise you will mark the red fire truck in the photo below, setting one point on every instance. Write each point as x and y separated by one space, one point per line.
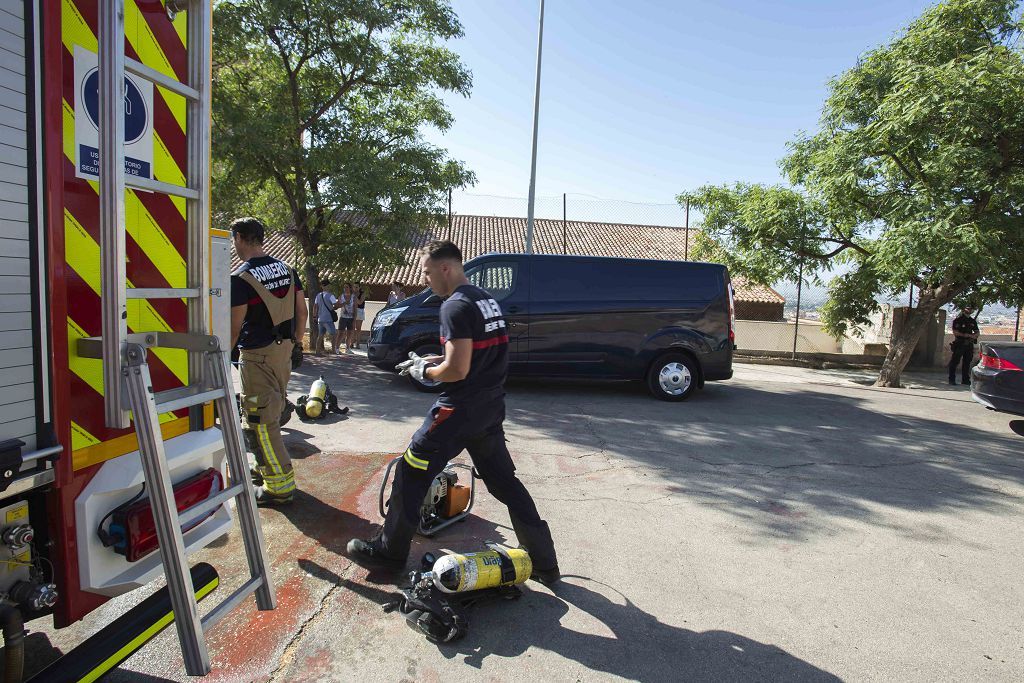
113 307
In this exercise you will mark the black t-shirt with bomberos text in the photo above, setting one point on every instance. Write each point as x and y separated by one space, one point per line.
472 313
257 328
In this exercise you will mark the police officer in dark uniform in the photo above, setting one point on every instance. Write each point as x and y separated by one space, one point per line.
468 415
965 333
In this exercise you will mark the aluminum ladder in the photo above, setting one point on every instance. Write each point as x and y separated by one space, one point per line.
126 374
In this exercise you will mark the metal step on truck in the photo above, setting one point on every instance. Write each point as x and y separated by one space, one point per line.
120 447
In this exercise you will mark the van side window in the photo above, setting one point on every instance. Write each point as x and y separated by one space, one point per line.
622 281
497 278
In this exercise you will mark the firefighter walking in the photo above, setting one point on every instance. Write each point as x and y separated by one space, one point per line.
267 308
468 415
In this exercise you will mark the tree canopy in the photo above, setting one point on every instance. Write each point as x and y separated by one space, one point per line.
319 112
914 176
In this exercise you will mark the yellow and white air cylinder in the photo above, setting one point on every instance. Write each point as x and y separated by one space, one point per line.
476 571
316 398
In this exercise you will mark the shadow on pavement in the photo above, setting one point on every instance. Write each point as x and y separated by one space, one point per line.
629 642
788 460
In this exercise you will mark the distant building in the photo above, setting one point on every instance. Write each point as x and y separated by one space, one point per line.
478 235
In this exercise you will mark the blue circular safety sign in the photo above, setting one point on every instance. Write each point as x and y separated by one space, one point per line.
136 115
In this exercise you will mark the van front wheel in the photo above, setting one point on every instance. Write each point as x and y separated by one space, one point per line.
672 377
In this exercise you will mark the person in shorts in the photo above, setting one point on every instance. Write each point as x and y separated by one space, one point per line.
323 305
360 295
346 316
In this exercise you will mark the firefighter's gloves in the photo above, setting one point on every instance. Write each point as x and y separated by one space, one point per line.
415 366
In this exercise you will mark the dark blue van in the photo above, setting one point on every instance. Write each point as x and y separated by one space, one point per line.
668 323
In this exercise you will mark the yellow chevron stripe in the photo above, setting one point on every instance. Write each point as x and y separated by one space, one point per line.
83 256
74 29
147 233
80 438
150 53
181 26
165 168
141 639
119 445
68 121
89 370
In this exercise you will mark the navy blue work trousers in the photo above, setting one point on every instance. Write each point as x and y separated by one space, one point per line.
446 432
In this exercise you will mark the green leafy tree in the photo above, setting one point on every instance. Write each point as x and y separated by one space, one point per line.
915 176
319 107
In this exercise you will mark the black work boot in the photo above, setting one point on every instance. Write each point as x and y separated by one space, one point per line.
368 553
536 540
546 576
265 498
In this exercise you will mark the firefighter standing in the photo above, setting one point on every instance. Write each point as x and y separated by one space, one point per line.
965 333
467 415
267 308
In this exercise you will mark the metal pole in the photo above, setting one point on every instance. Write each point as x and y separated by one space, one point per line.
536 118
799 289
114 320
686 253
910 303
200 57
449 214
1016 327
563 223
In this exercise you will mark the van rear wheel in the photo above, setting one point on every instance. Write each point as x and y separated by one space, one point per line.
428 387
672 377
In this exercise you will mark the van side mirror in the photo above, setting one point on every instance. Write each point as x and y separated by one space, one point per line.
432 300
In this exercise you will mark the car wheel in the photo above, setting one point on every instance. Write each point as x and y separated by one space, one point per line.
428 386
672 377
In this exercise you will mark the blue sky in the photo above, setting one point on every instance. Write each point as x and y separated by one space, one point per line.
643 99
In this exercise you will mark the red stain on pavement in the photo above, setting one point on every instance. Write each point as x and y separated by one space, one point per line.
325 515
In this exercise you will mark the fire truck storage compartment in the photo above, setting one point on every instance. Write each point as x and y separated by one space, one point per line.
20 364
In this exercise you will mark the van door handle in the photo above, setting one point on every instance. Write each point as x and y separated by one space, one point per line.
514 309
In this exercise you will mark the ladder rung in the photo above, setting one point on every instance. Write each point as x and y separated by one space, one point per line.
175 86
189 515
142 183
218 612
184 397
163 293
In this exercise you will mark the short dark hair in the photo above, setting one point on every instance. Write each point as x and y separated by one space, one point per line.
325 282
437 250
249 229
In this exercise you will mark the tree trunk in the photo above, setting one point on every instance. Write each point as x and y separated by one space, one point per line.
903 344
312 289
300 218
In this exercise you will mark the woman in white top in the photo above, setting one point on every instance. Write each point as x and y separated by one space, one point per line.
346 315
360 295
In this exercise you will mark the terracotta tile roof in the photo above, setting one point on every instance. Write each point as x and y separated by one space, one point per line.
478 235
753 292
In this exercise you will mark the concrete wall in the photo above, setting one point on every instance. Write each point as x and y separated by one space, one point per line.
778 336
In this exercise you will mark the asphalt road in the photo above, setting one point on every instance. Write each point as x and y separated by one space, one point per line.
789 524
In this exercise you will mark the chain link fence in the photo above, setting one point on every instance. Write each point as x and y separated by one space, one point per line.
572 220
